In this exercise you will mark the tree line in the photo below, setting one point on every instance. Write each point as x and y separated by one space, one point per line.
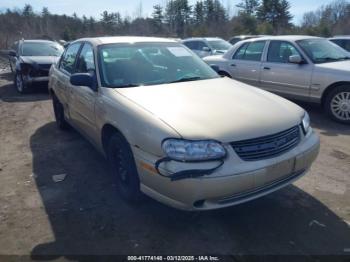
177 19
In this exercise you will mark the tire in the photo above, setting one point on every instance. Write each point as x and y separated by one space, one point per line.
10 66
59 113
122 166
337 104
19 84
222 73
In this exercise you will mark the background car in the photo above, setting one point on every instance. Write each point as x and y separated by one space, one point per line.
30 61
342 41
163 119
239 38
298 67
207 46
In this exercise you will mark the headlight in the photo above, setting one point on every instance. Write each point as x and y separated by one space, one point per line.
186 150
306 123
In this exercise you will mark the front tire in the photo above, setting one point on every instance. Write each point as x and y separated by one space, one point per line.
19 83
59 113
337 104
123 168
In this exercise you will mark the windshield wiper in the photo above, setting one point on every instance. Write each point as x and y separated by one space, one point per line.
186 79
334 59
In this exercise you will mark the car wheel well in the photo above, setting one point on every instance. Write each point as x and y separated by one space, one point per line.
224 73
107 131
330 88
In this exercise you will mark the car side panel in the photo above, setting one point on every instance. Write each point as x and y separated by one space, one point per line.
286 79
246 71
322 79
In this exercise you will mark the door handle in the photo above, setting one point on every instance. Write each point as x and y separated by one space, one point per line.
233 64
267 68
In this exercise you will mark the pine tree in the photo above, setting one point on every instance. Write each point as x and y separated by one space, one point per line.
249 6
276 13
158 17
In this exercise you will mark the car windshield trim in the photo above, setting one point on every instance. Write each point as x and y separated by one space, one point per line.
128 65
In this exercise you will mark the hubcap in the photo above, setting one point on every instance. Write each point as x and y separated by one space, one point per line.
340 106
19 83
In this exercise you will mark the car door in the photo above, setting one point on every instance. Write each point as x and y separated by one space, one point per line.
63 87
282 77
246 62
83 98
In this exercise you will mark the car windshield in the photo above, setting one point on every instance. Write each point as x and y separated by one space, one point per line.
219 44
41 49
140 64
323 51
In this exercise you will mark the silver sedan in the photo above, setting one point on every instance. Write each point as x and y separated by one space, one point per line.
305 68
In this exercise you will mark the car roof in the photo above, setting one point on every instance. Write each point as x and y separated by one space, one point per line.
202 38
340 37
246 36
283 38
124 39
36 41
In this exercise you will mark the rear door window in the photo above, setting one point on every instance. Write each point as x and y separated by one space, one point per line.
250 51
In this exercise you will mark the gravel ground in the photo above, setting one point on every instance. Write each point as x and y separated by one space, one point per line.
4 65
84 215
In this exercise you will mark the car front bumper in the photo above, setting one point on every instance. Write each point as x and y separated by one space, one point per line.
236 182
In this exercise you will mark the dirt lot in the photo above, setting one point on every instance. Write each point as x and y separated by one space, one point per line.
84 215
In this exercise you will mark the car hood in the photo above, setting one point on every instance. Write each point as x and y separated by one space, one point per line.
341 65
40 60
221 108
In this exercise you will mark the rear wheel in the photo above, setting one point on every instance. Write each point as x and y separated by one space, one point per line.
123 168
337 104
59 113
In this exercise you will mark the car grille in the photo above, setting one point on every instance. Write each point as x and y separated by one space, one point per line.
41 70
267 146
45 66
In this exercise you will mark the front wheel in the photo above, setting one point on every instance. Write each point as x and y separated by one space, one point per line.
19 83
337 104
59 113
123 168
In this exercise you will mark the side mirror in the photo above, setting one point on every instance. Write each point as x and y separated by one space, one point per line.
206 49
215 68
295 59
12 53
83 79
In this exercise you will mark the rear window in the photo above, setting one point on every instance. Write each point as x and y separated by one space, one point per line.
250 51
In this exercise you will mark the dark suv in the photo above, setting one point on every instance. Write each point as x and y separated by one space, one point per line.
30 61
